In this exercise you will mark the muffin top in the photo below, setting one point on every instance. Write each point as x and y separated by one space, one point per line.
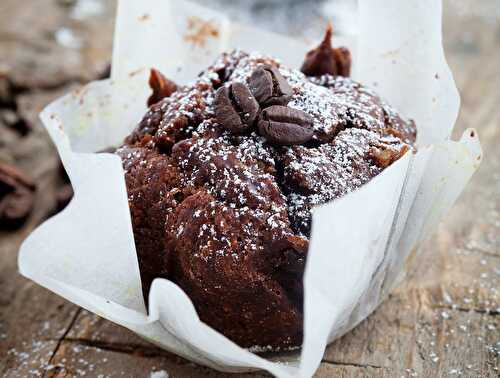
354 136
222 175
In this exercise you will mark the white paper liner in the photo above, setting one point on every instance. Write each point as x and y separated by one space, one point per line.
361 245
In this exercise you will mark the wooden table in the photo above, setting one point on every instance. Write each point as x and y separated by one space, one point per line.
443 321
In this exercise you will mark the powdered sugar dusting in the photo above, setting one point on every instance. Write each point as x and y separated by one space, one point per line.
244 172
317 176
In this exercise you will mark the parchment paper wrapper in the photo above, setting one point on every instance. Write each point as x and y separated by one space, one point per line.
362 244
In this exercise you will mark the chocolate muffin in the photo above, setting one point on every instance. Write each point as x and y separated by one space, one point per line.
222 175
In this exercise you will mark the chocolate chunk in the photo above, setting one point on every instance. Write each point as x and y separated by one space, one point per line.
269 87
285 126
325 59
161 86
384 156
16 197
235 107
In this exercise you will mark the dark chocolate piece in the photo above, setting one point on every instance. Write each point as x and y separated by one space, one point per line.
161 86
325 59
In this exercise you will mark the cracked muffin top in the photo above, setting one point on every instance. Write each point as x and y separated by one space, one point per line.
222 175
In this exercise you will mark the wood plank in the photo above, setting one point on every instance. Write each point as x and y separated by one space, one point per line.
32 319
51 50
75 358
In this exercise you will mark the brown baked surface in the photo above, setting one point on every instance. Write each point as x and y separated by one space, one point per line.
226 216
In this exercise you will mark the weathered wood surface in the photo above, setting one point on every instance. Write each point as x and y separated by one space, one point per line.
443 321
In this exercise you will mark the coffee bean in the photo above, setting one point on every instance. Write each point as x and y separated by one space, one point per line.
235 107
325 59
285 126
269 87
161 86
16 197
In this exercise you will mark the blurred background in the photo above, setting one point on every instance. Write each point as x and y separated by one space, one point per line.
49 47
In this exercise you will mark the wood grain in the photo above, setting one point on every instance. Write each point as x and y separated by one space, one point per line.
443 321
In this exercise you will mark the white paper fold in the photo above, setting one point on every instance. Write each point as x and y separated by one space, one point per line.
361 244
